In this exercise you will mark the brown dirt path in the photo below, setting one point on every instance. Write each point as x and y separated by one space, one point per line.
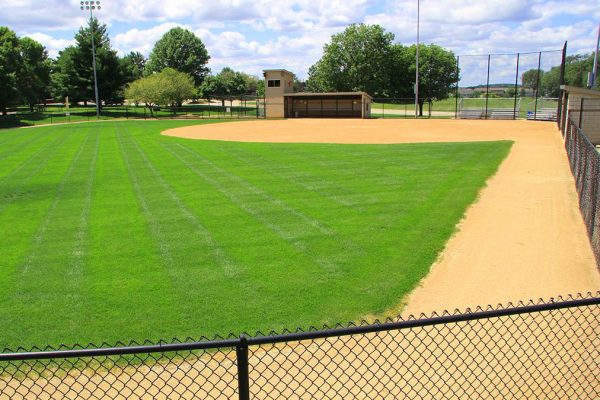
523 238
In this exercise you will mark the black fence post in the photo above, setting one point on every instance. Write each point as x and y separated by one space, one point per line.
581 114
537 85
456 89
241 351
487 86
516 87
560 110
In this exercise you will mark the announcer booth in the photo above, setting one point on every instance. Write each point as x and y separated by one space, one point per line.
282 102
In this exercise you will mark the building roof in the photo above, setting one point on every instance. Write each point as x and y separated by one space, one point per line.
327 94
277 70
582 91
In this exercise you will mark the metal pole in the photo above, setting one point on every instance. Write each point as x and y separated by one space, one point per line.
559 113
595 70
241 351
487 87
537 85
94 64
516 88
456 90
417 63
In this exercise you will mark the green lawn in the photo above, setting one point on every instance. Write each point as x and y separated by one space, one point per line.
111 231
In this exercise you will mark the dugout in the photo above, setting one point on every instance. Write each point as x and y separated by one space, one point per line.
327 105
282 102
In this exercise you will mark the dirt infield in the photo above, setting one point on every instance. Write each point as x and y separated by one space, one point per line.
524 238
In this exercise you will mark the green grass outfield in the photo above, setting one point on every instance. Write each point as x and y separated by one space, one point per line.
111 231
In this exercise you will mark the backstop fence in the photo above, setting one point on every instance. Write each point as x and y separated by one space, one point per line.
510 86
543 350
584 160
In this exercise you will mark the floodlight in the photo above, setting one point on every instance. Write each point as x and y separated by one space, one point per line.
91 5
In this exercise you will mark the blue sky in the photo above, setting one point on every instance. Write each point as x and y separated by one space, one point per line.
257 34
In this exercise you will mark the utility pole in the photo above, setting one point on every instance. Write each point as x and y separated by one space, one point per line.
417 63
91 6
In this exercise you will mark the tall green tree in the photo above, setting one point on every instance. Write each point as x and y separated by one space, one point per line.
34 72
132 66
437 72
168 88
228 83
10 61
357 59
531 79
74 76
365 58
181 50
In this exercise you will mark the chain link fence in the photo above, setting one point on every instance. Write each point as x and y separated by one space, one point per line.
585 165
542 350
244 107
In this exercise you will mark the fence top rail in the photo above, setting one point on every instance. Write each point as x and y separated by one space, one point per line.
510 54
243 340
422 322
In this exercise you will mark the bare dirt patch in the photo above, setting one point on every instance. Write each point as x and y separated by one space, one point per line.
524 238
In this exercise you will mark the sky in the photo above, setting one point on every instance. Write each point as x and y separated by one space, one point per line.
258 34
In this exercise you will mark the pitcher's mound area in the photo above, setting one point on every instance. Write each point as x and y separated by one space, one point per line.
524 238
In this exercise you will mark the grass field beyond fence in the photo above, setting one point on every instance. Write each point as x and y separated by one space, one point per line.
111 231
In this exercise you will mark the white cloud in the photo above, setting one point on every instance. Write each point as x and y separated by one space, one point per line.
141 40
254 34
52 45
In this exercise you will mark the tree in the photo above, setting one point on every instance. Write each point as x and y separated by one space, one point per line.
228 83
34 71
73 73
364 58
132 66
181 50
168 88
437 72
10 60
356 59
576 69
530 78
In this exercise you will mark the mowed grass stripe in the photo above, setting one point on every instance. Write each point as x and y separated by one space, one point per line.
51 250
22 142
203 235
126 284
155 237
287 174
28 159
27 196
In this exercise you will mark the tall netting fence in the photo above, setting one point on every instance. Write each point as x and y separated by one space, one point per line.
541 350
509 86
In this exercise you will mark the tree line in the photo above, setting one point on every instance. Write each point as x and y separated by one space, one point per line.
547 83
361 58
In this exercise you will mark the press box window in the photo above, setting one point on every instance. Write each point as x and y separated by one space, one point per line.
274 83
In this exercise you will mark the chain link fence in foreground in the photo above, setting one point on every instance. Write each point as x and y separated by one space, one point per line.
543 350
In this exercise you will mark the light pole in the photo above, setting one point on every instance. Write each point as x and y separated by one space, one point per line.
91 6
417 62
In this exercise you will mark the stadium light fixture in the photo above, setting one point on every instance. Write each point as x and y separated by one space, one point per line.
417 64
91 6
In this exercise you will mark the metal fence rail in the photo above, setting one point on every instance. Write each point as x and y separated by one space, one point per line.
535 350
